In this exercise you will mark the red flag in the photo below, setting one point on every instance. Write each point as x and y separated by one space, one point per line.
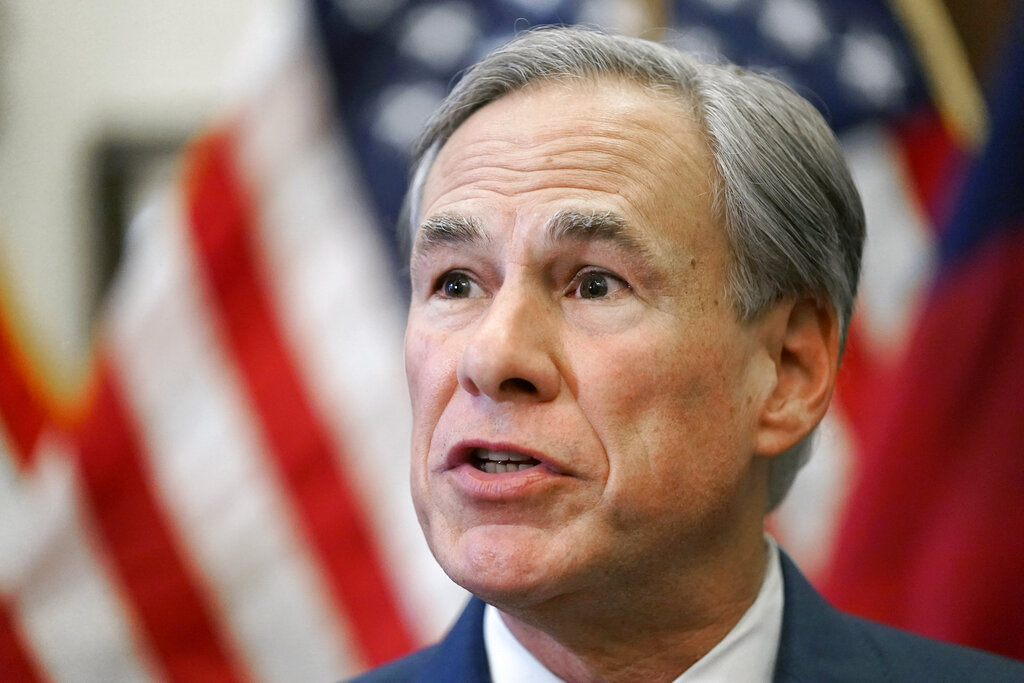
932 536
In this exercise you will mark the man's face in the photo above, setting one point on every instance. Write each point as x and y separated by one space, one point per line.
585 401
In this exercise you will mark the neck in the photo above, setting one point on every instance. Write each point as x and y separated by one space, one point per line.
652 636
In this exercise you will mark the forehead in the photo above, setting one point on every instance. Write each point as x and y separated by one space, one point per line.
590 145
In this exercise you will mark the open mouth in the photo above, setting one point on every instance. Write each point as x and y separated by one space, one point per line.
499 462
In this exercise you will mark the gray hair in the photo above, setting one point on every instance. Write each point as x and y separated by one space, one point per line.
792 215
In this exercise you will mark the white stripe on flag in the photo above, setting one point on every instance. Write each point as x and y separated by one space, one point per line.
68 609
210 464
899 254
334 289
806 521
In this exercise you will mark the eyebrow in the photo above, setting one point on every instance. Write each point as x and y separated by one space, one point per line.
601 226
447 229
568 225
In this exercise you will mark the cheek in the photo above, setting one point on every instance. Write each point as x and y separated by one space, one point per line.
430 373
430 367
648 376
431 362
668 419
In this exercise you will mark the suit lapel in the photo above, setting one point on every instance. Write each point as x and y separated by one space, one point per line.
819 643
461 657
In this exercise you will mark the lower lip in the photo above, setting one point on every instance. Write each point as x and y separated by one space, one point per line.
501 486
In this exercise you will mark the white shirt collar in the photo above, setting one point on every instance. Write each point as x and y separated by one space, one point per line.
746 654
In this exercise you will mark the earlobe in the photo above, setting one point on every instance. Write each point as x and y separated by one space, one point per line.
803 339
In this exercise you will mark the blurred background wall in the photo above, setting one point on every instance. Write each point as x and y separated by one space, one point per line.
88 91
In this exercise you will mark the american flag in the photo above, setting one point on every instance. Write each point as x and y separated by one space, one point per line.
229 500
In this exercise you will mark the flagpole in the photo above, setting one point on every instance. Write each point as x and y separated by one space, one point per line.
644 18
948 72
657 12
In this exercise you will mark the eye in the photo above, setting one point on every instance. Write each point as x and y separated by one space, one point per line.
596 284
456 285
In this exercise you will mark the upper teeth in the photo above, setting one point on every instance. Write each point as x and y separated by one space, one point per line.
499 462
502 456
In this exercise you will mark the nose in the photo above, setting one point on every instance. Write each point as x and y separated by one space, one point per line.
510 353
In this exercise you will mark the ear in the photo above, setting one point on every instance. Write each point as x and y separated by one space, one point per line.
802 337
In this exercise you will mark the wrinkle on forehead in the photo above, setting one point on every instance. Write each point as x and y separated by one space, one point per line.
627 140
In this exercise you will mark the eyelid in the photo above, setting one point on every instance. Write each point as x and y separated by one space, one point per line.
437 288
574 284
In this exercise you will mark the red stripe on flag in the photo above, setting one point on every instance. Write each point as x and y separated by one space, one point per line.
332 520
161 585
858 381
933 163
22 412
16 664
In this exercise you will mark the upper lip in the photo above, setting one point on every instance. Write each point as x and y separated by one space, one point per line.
462 452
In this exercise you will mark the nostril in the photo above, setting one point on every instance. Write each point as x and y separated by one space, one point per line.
518 385
470 386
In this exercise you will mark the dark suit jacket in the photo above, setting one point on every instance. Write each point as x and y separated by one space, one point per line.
818 644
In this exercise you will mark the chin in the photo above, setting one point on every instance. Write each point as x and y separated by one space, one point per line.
502 565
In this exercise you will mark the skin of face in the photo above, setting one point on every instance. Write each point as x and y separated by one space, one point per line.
610 355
